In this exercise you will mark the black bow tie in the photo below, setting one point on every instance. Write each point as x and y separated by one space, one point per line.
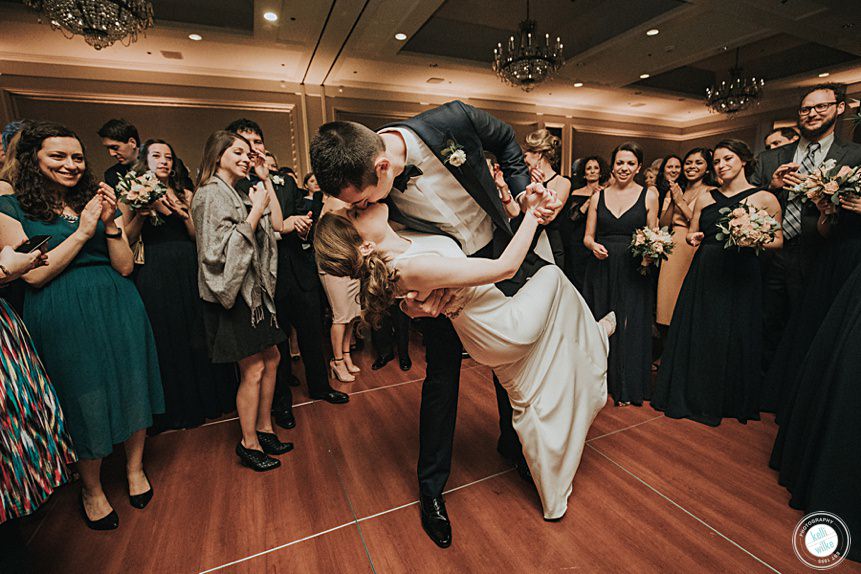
401 182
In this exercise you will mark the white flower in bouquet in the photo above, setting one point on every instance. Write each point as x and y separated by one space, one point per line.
141 191
746 226
651 245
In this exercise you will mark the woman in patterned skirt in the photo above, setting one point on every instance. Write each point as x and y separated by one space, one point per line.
35 448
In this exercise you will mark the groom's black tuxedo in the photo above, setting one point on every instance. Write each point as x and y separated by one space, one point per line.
475 131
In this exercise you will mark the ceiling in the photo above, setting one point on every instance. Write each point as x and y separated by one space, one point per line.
350 45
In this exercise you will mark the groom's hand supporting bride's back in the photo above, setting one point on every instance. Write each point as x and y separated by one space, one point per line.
430 306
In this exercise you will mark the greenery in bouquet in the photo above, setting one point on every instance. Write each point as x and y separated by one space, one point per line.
651 245
746 226
141 192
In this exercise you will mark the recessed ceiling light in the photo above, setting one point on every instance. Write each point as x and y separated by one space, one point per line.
644 76
400 36
653 32
270 17
578 84
195 37
824 75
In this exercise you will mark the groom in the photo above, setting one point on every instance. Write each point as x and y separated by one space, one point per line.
431 171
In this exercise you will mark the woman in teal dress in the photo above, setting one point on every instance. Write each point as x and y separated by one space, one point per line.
86 317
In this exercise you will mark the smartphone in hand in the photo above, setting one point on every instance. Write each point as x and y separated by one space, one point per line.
32 244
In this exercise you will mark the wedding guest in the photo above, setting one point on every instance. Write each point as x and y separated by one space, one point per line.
166 278
711 363
35 446
8 163
815 450
512 208
271 162
237 266
541 152
613 281
86 317
594 173
787 269
257 173
288 172
343 296
668 174
780 137
121 140
650 177
676 213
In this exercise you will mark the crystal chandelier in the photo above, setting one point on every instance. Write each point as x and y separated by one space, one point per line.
527 60
100 22
737 95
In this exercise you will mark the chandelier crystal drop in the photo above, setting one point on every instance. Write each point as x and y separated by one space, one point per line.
100 22
526 60
738 94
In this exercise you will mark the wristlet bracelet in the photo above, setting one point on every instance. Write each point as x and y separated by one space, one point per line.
116 235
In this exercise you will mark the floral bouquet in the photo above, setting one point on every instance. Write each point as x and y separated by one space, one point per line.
746 226
141 192
651 245
828 182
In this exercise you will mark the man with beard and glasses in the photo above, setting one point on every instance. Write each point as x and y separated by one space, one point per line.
780 169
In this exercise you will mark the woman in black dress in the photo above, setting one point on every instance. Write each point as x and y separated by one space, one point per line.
166 278
613 281
710 367
668 173
541 154
572 220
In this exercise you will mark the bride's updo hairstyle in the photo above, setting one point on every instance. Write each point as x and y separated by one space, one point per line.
336 243
546 144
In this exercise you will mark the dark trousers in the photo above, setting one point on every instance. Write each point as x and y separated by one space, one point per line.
303 311
394 333
438 413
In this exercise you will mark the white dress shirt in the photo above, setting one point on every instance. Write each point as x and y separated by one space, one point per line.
438 198
821 153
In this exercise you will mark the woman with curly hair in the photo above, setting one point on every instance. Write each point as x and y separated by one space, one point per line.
86 317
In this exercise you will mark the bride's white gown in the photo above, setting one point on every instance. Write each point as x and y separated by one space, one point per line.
550 355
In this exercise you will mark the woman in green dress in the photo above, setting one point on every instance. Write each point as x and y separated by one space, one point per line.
86 317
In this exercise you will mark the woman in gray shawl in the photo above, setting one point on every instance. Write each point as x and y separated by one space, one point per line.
237 258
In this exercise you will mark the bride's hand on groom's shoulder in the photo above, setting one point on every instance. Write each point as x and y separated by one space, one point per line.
430 306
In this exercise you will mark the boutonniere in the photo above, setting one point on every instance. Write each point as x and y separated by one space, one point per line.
454 154
277 180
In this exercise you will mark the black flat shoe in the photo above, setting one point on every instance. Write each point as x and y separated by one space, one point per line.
271 443
405 363
435 520
284 418
381 361
334 397
109 522
140 501
255 459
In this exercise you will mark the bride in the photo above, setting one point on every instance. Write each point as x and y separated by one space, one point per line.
543 343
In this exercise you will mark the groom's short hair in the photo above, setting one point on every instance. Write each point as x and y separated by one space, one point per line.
343 153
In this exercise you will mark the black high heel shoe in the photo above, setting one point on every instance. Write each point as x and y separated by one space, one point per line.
140 501
272 444
109 522
256 459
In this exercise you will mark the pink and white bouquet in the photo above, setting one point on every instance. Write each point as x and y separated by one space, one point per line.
746 226
141 192
829 182
651 245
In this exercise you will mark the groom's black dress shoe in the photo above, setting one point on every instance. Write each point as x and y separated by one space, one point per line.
435 520
523 470
284 418
381 361
405 363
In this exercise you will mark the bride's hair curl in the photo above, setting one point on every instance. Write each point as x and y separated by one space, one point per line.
336 243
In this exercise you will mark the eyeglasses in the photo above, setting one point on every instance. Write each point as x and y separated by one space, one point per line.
820 108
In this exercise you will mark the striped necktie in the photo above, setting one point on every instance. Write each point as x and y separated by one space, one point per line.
792 213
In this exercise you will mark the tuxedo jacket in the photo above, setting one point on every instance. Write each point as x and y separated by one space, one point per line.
769 160
476 131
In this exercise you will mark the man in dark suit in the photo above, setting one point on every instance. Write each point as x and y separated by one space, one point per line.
123 143
435 162
780 169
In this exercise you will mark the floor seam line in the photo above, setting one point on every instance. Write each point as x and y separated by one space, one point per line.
626 428
686 511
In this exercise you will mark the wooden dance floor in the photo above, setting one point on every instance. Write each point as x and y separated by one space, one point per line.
652 495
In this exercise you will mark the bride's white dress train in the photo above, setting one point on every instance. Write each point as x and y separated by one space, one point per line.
550 355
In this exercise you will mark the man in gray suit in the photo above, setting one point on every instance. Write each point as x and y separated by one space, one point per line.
780 169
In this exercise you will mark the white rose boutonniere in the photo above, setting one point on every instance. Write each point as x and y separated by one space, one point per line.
277 180
454 154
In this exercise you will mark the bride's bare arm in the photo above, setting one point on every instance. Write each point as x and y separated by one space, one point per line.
429 272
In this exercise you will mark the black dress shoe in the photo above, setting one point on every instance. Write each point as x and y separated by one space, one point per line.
272 445
284 418
109 522
381 361
405 363
256 459
334 397
140 501
435 520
